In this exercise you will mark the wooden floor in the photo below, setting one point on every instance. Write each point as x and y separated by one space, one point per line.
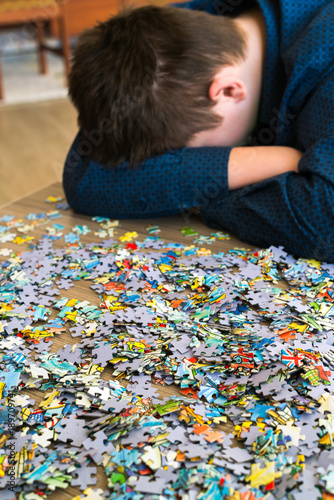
35 138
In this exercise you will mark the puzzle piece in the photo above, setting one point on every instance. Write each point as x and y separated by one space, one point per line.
72 429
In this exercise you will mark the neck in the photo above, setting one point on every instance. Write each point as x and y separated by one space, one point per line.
252 24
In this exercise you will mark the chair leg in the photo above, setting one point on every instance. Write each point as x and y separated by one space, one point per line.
1 82
65 38
41 47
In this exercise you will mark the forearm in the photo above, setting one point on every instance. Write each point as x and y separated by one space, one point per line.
162 185
248 165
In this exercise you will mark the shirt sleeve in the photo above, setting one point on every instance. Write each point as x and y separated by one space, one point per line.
217 7
167 184
292 210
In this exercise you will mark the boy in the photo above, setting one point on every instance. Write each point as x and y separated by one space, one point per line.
223 104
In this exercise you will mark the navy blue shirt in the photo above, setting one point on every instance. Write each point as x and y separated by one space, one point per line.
297 110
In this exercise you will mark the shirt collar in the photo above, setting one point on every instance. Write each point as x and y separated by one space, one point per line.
274 81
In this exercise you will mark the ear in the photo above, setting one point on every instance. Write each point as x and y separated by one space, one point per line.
227 87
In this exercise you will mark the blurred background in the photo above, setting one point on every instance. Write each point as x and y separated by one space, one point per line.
37 121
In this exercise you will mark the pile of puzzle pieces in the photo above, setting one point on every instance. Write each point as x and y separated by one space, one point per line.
237 346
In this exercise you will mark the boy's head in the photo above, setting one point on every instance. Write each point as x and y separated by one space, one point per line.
140 80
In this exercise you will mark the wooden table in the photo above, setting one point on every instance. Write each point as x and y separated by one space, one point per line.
170 232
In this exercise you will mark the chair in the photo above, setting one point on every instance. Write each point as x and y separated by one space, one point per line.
36 13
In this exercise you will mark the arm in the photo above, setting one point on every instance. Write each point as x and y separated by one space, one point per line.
162 185
248 165
292 210
171 183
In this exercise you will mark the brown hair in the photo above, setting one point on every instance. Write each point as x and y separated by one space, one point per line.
140 80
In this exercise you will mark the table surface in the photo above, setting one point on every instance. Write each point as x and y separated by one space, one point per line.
170 232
